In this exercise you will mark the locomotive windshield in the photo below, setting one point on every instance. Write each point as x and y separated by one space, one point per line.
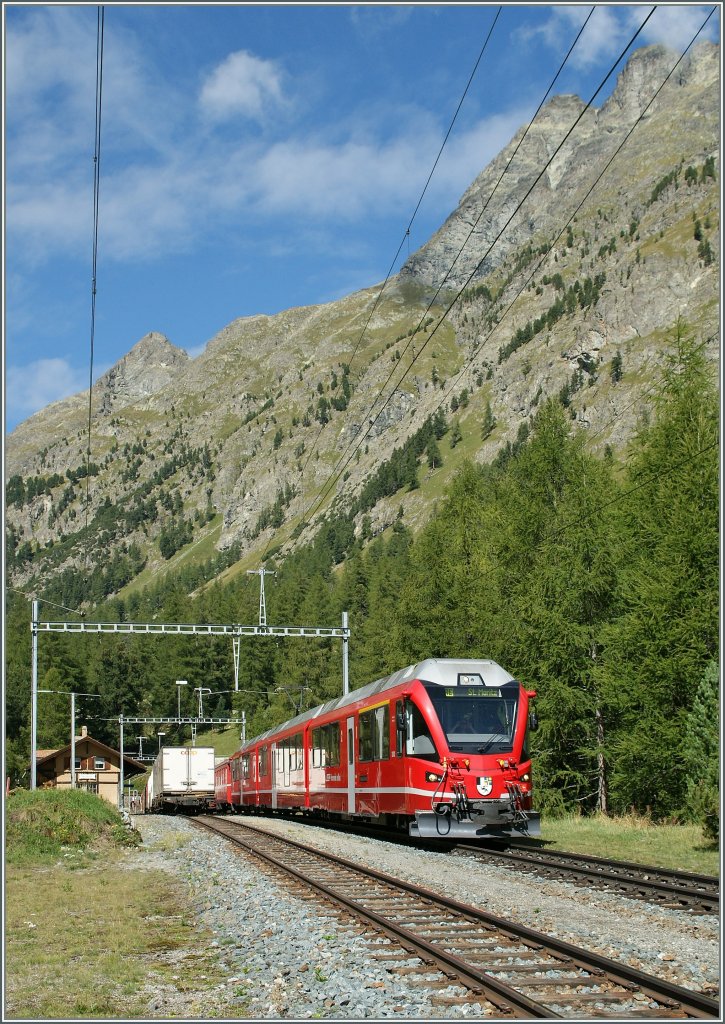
477 719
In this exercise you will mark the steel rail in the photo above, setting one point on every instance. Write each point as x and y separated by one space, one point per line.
501 995
685 878
634 877
703 893
673 997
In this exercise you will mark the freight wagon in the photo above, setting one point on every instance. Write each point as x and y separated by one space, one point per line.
182 779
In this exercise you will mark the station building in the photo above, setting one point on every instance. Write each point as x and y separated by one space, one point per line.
97 767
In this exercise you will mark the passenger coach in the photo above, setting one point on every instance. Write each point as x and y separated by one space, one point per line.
439 748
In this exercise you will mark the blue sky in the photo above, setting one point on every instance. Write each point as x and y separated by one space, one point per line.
253 157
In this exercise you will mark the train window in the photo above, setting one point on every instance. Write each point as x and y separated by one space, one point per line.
245 766
399 732
289 754
477 720
374 734
382 744
365 736
326 745
264 761
317 749
296 752
419 742
332 744
349 745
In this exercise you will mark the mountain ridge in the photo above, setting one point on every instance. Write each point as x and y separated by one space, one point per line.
220 448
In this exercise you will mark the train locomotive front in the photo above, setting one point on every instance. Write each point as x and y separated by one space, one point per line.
465 726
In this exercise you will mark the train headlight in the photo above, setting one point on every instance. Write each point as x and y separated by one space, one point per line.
484 785
526 777
432 777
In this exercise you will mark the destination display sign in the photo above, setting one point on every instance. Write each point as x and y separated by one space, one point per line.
488 691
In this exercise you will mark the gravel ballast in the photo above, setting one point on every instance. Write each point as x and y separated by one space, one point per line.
291 958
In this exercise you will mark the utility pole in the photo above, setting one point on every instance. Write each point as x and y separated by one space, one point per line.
201 690
262 606
72 741
179 684
345 645
34 698
120 777
236 643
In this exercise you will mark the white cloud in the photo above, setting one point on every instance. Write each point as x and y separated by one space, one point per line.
675 26
242 85
153 208
610 29
37 384
602 38
165 185
374 20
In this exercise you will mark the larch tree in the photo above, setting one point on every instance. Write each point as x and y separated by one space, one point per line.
667 629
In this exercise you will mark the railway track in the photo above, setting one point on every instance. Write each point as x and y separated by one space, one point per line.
699 894
523 973
676 890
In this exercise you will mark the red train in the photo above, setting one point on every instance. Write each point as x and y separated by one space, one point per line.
439 748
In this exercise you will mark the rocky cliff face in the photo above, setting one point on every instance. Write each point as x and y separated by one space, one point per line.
150 366
566 161
574 294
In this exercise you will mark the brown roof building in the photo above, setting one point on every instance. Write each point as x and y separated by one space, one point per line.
97 767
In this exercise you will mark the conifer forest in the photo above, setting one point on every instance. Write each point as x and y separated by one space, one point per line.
593 579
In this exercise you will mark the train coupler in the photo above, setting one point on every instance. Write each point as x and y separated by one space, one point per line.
516 796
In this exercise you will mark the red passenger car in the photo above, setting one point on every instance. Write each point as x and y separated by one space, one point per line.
439 748
223 785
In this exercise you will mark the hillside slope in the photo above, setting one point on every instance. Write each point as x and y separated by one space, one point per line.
574 294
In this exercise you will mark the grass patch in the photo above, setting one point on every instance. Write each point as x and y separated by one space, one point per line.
46 824
88 936
633 838
172 841
224 743
99 942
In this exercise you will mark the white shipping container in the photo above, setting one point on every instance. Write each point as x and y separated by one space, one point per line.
182 771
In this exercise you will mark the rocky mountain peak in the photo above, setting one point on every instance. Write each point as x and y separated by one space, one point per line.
151 365
489 201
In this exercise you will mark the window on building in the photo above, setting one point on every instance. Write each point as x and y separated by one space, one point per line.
99 764
92 787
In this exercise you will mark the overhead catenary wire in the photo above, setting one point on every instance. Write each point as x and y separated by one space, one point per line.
96 211
652 478
44 600
337 470
406 235
467 365
627 136
466 240
432 302
484 207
